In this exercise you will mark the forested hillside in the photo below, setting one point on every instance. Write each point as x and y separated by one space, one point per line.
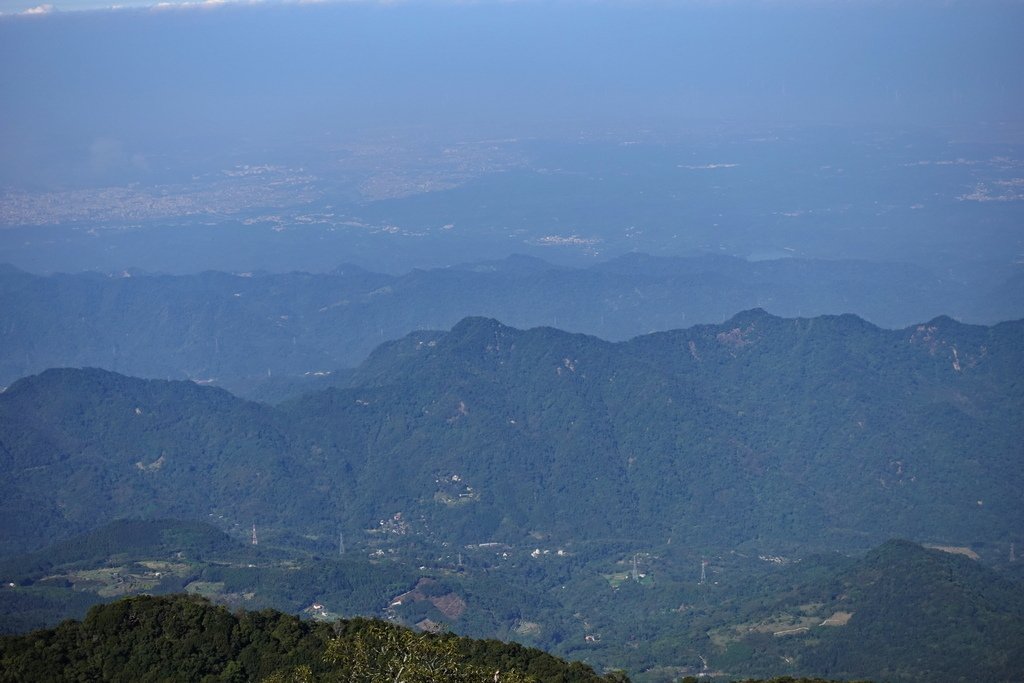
900 613
655 504
186 638
787 433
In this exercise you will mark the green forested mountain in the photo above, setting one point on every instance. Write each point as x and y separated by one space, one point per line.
826 429
919 614
88 446
185 638
900 613
236 328
800 433
563 491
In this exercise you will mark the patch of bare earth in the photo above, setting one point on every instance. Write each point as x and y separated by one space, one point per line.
838 619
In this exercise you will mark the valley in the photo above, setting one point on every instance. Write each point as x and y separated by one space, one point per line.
750 617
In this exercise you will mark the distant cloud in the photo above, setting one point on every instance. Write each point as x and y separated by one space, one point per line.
39 9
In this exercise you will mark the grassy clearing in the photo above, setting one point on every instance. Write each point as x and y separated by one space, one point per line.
207 589
779 625
112 582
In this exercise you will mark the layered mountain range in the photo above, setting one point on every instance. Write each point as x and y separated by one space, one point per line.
232 328
653 504
813 433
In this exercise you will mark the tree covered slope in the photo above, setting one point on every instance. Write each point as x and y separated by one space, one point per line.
901 612
822 432
184 638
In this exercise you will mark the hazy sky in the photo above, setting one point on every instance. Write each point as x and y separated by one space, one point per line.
127 84
23 6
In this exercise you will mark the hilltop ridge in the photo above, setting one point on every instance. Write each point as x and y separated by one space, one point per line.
716 433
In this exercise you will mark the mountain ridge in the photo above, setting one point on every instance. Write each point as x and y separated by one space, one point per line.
235 327
501 463
694 432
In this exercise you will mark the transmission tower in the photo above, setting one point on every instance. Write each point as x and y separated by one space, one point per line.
703 572
255 541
